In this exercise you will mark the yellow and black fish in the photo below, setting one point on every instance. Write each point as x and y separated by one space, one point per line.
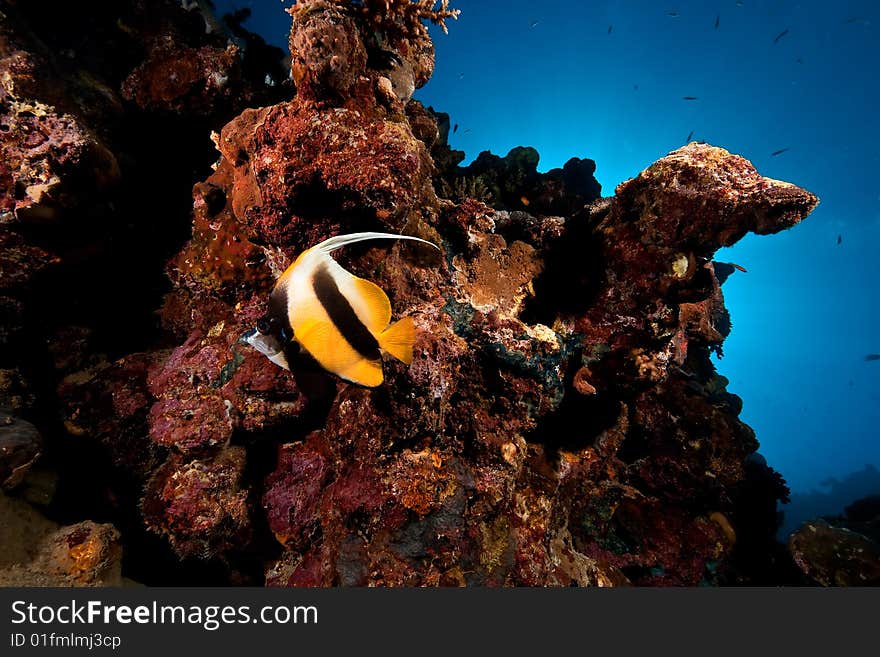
342 321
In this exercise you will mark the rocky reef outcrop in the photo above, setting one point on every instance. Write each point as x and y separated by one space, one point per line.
561 422
37 552
842 550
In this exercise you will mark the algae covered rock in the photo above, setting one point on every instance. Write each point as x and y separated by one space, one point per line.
835 556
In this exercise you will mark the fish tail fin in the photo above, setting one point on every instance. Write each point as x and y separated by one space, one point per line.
398 339
338 241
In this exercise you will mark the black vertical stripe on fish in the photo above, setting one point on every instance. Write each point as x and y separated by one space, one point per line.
343 316
277 314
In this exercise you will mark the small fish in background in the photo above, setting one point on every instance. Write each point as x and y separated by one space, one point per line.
780 35
461 76
635 87
524 200
690 134
717 20
455 128
779 152
610 27
854 19
340 320
839 239
690 98
673 14
534 24
739 267
872 357
799 60
466 130
739 3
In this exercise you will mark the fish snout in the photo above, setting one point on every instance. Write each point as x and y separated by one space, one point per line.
268 345
265 344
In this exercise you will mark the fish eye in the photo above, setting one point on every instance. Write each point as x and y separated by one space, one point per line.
265 325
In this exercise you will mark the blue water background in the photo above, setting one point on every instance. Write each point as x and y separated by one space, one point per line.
551 75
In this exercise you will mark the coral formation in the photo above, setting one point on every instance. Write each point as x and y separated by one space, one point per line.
841 551
561 422
104 124
835 556
36 552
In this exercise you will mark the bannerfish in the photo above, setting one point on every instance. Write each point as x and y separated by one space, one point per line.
340 320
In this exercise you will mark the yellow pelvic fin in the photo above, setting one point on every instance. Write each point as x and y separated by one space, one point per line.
398 339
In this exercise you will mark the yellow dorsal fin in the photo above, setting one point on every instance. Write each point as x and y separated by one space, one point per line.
398 339
369 302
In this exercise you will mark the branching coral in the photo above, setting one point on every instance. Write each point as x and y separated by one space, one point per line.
338 44
464 187
407 15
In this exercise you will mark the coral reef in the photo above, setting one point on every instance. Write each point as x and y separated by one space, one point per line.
561 422
842 550
104 122
20 447
835 556
513 182
36 552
